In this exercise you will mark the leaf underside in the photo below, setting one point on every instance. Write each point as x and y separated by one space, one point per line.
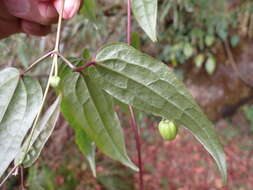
87 107
20 100
149 85
145 12
33 146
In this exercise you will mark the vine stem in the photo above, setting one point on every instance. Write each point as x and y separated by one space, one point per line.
39 113
133 119
54 70
38 61
58 37
8 175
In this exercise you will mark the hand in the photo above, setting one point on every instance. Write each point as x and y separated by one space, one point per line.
33 16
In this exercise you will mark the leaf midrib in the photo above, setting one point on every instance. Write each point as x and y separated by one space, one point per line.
162 98
112 139
125 49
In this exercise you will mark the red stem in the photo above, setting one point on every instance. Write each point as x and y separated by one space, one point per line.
133 120
78 69
129 22
138 146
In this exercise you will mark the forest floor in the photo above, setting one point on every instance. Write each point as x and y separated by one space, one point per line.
182 164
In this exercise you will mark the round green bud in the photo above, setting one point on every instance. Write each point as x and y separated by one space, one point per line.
54 81
168 130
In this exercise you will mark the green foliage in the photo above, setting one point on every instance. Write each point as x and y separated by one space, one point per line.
87 107
210 64
33 145
200 23
44 178
145 12
86 146
248 111
147 84
20 101
199 60
121 74
89 9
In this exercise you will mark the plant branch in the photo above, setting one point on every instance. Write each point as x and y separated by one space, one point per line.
39 113
138 145
38 61
233 63
66 61
73 67
129 21
58 37
8 175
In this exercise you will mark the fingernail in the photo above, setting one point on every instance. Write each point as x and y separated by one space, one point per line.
18 7
70 9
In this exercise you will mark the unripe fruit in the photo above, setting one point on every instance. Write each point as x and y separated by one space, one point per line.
54 81
168 130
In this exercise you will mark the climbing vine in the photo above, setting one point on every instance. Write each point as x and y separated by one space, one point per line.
84 92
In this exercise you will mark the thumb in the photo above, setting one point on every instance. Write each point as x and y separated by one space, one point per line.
71 7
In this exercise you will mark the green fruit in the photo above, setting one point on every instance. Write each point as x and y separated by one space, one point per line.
54 81
168 130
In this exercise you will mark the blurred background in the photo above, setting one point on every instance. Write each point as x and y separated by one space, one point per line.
208 43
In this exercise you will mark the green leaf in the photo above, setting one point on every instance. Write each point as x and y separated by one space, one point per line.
87 147
33 146
89 9
210 65
74 118
234 41
9 78
20 114
136 41
10 126
199 60
86 54
188 50
209 40
149 85
89 108
145 12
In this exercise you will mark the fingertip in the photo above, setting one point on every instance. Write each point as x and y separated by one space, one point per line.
71 7
47 10
34 28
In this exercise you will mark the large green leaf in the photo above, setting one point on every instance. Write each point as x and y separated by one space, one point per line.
149 85
89 108
9 78
34 101
145 12
10 126
20 103
33 146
